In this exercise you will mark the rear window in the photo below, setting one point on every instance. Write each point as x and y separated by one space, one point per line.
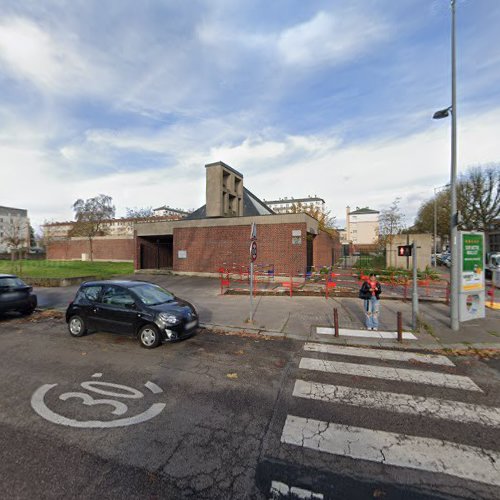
88 294
8 282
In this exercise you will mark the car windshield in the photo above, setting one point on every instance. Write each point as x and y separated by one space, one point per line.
7 282
152 295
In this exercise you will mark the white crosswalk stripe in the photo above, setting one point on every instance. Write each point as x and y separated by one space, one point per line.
379 354
388 373
400 403
390 448
434 455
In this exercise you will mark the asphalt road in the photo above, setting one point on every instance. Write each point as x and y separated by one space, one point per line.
209 417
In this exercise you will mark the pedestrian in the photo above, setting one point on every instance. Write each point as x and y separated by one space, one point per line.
370 293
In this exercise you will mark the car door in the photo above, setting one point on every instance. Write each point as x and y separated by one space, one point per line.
86 303
116 311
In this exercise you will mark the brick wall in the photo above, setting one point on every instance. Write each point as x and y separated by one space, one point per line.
322 249
209 247
121 249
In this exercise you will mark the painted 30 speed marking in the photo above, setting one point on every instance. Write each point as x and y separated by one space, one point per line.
110 393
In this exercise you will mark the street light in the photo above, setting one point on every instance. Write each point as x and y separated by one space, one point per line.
443 113
435 219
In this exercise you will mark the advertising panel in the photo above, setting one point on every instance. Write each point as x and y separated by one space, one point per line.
472 276
471 282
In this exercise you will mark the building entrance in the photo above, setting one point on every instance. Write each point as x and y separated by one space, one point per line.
156 252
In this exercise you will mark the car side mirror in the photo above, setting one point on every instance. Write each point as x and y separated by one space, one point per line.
131 305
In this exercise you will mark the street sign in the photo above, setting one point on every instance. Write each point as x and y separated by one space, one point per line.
253 250
253 231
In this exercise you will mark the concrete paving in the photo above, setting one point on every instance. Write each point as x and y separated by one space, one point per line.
298 317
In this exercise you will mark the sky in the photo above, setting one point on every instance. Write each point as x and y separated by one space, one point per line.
328 98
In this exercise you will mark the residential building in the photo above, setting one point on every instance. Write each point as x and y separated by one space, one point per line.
171 212
289 205
14 226
362 226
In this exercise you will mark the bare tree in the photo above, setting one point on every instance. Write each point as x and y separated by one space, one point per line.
392 222
16 237
478 197
91 216
478 200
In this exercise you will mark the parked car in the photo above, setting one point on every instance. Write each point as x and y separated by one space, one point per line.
138 308
16 295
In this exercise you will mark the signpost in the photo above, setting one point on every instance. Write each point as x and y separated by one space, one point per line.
471 283
414 295
253 256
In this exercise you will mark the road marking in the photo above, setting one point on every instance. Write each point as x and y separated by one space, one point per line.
379 354
433 455
38 404
344 332
388 373
399 403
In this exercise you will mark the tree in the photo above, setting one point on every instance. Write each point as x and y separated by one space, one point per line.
424 222
391 222
478 197
91 216
478 201
16 237
139 213
32 239
326 222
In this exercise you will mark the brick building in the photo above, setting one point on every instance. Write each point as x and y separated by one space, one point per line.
218 233
115 244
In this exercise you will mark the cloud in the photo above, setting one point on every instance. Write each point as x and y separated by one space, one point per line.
330 38
52 64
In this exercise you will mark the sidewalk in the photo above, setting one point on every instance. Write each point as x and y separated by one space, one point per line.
298 317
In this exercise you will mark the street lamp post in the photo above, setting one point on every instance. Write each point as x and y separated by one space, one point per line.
454 323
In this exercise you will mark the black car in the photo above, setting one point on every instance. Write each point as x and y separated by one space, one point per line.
16 295
138 308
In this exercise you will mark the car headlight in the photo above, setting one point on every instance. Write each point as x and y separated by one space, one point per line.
168 318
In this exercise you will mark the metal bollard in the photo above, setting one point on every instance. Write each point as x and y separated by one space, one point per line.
336 321
400 326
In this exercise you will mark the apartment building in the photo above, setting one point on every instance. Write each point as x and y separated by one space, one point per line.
171 212
362 226
14 225
289 205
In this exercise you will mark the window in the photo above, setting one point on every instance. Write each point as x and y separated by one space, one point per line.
152 294
88 294
116 296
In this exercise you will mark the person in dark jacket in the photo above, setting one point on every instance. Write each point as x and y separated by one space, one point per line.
370 293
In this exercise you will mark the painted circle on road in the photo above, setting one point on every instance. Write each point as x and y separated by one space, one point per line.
118 408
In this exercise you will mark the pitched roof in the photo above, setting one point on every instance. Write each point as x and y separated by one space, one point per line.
365 210
251 206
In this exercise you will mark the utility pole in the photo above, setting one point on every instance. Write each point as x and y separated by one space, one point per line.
453 181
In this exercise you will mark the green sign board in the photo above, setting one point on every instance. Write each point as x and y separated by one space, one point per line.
472 252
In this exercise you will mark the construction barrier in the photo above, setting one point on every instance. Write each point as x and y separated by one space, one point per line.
490 298
236 277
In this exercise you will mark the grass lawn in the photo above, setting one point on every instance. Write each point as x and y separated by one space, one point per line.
65 269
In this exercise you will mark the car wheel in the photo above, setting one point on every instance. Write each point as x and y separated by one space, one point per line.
149 336
28 311
77 326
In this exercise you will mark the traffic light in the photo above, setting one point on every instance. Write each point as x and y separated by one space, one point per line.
404 250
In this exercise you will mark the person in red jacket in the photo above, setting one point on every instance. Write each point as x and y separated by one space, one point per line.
370 293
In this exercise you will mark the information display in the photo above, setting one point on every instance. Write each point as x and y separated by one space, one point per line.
471 283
